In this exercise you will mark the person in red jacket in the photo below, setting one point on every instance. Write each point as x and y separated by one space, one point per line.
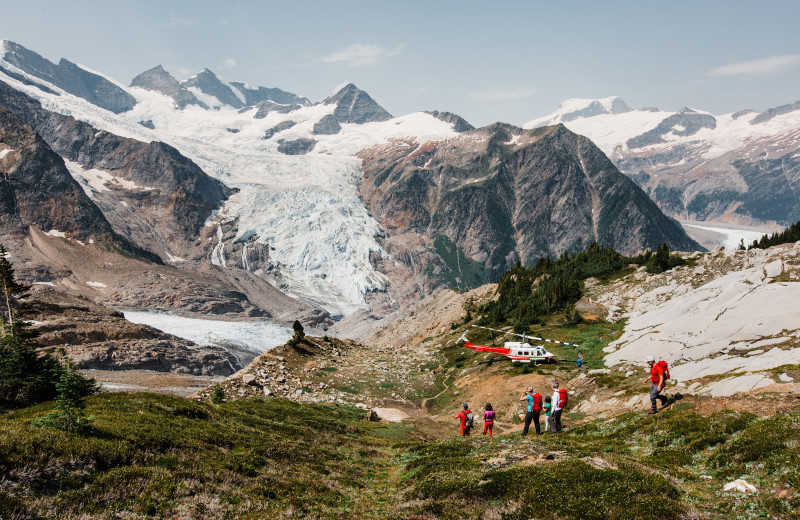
466 420
657 382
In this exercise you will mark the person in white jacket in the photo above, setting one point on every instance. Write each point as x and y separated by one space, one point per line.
555 415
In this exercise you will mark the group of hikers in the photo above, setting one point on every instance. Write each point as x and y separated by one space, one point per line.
551 406
555 405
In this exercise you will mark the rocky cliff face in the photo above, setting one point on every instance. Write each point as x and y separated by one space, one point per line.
70 77
152 194
38 191
501 194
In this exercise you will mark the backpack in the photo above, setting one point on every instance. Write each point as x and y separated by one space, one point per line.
537 402
664 368
468 418
562 398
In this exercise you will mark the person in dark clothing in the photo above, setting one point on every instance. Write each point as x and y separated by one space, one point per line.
534 400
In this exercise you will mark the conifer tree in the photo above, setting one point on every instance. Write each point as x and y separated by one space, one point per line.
69 414
299 334
11 289
26 376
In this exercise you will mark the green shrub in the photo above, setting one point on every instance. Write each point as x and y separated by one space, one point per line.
574 489
218 394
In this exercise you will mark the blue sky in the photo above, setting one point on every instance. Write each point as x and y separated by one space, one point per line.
508 61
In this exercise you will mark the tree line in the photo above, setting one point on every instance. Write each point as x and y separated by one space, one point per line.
549 286
788 235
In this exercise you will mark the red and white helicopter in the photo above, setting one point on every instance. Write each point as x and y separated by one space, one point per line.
518 351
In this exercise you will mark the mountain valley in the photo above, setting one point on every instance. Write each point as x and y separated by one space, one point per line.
227 213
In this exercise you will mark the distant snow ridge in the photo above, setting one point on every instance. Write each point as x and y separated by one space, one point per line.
578 108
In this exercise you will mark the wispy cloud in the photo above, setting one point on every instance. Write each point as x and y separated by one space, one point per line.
501 94
174 22
361 55
229 62
757 67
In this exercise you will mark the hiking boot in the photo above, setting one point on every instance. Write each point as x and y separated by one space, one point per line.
651 412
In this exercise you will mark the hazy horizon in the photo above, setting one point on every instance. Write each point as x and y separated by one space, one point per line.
511 63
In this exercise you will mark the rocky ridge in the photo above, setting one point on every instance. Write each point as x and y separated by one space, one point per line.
39 192
70 77
152 195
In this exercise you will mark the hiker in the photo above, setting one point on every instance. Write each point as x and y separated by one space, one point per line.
466 420
488 419
657 381
548 406
534 409
559 403
580 360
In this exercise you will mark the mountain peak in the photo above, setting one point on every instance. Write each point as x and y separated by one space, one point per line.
159 80
347 90
211 84
353 105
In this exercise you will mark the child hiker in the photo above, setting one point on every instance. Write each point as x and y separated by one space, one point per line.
548 406
488 419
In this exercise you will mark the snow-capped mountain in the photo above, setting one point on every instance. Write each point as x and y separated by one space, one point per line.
292 210
305 208
741 167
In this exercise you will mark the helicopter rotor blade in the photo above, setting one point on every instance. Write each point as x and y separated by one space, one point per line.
528 337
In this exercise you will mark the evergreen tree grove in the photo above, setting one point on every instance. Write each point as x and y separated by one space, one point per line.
26 376
790 234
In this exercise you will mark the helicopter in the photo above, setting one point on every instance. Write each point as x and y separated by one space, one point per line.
517 351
